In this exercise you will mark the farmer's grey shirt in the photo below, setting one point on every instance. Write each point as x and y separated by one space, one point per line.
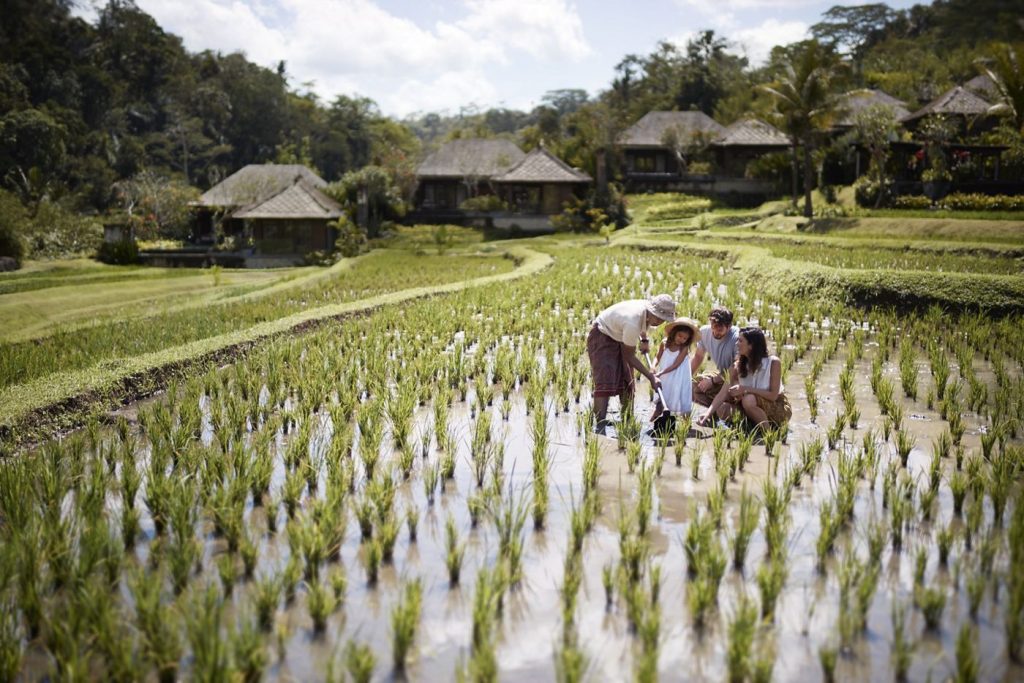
722 351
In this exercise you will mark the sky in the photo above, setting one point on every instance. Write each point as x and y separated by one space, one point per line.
446 56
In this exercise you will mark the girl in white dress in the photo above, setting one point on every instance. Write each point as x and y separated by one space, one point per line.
673 363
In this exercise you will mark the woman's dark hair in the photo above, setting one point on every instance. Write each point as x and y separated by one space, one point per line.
758 350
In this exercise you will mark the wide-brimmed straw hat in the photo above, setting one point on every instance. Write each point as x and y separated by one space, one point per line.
690 323
662 306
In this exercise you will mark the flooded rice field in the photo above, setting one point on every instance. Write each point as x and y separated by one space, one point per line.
439 508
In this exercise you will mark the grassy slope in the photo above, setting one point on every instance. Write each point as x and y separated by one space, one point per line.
61 399
34 313
996 294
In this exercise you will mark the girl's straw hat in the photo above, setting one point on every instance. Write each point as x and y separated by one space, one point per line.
684 322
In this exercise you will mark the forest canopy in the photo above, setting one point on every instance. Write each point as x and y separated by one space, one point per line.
85 106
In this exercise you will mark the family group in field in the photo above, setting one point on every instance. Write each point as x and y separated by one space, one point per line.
745 378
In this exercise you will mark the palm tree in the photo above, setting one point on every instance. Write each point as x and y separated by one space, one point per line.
1007 73
804 105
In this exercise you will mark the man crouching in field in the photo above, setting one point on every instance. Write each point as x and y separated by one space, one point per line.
616 334
718 339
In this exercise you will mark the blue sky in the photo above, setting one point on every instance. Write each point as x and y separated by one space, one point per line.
444 55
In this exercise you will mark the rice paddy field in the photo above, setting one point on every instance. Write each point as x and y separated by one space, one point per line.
416 493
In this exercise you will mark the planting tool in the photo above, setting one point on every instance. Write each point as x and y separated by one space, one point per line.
664 424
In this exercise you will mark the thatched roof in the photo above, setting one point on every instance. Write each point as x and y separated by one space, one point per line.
256 182
983 86
540 166
856 101
650 130
300 200
958 102
751 133
482 158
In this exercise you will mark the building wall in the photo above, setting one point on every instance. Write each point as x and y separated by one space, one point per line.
296 236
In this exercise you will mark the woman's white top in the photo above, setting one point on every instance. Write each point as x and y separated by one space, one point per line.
676 386
762 377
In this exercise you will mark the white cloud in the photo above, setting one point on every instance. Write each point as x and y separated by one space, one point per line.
448 92
733 5
348 46
757 42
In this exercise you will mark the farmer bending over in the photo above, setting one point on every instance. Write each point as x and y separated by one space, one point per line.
612 344
717 338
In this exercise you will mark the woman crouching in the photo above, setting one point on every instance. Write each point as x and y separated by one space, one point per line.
755 385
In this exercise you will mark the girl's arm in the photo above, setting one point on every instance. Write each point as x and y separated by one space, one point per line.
661 350
774 382
675 364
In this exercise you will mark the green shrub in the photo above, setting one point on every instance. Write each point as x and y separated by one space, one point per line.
319 258
351 238
57 232
485 202
912 201
866 191
959 201
119 253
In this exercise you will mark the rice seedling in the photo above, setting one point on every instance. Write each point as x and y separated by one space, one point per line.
772 437
812 398
447 463
321 602
904 442
967 664
896 414
405 618
591 465
387 536
902 650
747 523
835 430
248 652
932 602
683 425
810 456
908 368
10 644
210 655
487 598
828 656
412 519
455 551
431 479
570 660
944 541
372 555
695 457
633 450
359 661
645 498
742 629
771 577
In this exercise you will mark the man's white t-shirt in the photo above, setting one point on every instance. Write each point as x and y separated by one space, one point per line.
624 321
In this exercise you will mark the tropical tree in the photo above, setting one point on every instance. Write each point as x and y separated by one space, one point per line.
805 105
875 128
370 196
1007 73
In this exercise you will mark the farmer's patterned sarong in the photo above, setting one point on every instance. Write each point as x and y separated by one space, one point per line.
612 376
